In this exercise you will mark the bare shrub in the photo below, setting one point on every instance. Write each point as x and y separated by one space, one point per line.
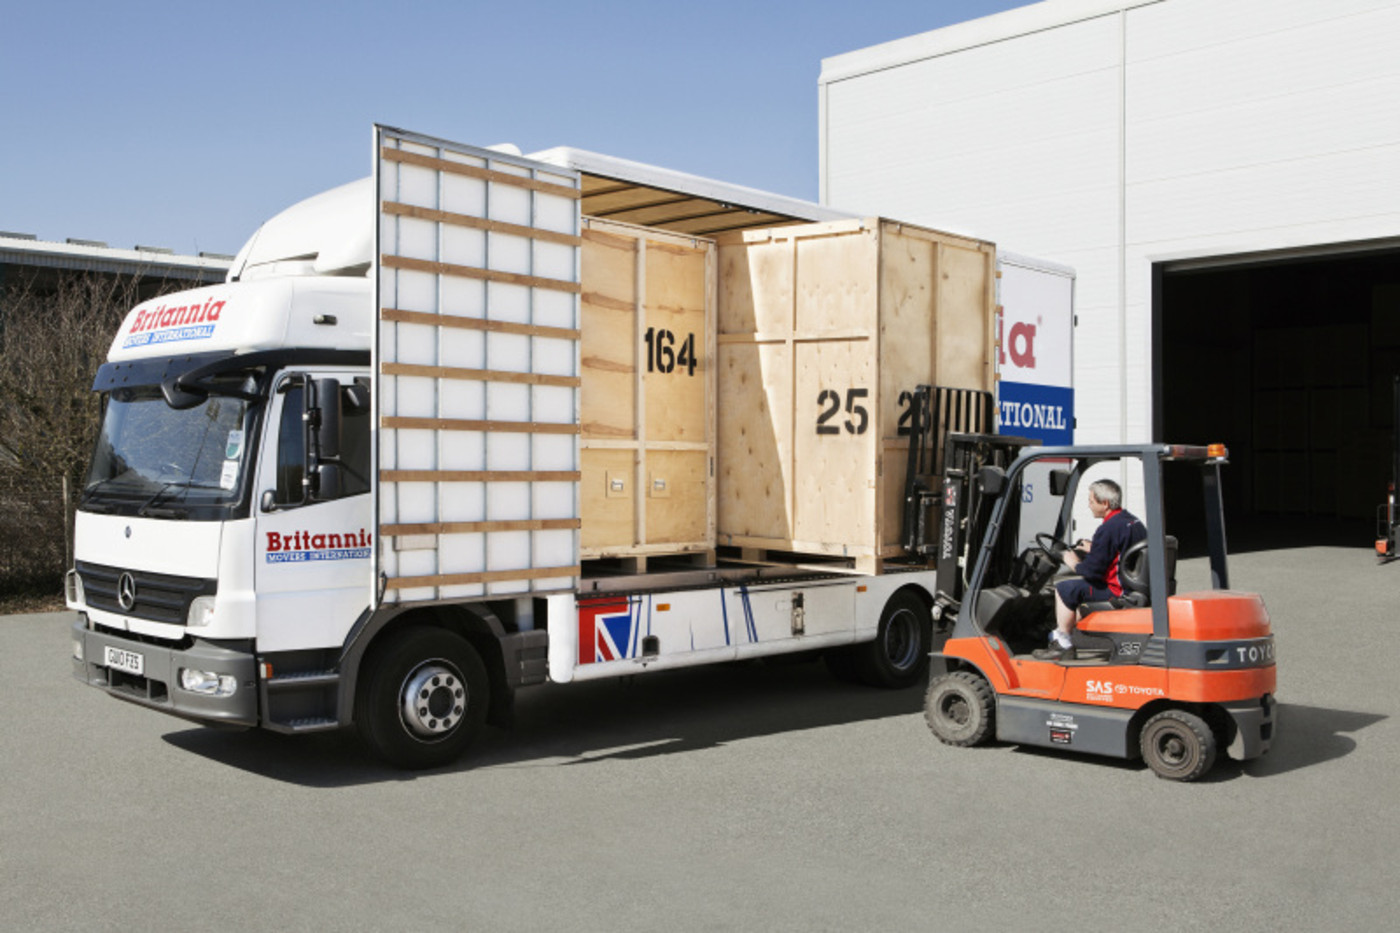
54 334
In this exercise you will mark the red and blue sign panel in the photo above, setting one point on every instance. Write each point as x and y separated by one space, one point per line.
608 629
1042 413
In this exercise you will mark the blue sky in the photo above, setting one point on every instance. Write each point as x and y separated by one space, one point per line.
186 124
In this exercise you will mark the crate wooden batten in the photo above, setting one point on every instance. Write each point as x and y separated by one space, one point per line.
647 436
822 329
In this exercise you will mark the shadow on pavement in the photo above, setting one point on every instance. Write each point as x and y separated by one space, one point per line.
1307 736
673 712
632 718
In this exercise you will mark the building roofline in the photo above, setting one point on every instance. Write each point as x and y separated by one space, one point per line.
22 251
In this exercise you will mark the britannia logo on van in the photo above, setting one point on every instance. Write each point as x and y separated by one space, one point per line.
172 323
300 546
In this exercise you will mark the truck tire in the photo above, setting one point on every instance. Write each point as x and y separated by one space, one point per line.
898 657
1178 745
423 698
960 709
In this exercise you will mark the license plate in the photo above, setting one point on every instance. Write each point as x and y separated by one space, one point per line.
123 660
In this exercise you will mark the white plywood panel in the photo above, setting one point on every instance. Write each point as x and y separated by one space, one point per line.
477 372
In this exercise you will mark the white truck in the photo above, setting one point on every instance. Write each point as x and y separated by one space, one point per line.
342 488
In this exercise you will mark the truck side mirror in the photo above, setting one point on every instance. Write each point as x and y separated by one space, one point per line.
1059 482
327 400
356 397
328 484
180 398
322 414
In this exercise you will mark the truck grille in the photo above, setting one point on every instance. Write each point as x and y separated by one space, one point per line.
159 597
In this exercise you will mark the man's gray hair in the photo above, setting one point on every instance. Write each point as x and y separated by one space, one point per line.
1108 492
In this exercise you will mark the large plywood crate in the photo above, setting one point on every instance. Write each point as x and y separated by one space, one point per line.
647 397
824 332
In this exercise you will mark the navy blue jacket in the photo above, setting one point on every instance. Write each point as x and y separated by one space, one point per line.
1120 530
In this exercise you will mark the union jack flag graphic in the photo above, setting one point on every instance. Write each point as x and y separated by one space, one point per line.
608 629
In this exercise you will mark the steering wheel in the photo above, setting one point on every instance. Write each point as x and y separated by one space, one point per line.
1053 547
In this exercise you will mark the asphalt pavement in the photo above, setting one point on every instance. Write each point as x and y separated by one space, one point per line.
743 797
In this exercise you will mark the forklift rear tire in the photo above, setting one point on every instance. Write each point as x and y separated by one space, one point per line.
898 657
1178 745
960 709
423 699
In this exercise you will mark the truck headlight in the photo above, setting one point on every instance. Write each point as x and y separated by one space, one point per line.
201 612
73 589
209 683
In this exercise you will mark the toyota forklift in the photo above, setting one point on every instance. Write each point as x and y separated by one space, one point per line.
1171 677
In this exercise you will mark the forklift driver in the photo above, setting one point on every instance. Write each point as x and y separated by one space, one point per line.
1097 570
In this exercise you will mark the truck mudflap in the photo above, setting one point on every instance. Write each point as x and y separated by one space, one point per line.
150 675
1254 726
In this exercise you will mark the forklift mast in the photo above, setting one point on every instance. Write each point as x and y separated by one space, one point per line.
950 440
934 413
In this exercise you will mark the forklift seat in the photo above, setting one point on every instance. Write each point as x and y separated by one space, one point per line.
1133 573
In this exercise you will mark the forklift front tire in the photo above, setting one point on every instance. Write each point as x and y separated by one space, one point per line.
960 709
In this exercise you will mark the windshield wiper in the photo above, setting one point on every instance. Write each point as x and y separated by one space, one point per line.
141 511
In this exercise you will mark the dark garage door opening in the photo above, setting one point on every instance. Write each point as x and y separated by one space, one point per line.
1290 362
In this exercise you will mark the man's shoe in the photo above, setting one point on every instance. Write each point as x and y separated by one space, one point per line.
1053 653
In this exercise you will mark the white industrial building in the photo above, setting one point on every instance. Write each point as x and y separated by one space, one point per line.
1224 175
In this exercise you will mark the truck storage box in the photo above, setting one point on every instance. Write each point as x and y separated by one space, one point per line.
824 331
647 398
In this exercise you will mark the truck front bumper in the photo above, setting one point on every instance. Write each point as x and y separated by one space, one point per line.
1254 727
158 686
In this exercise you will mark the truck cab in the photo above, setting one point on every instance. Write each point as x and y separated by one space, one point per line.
235 424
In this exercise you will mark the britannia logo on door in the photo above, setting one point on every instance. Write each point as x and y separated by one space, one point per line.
300 546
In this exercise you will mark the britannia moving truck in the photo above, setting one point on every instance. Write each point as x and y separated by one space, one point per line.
354 484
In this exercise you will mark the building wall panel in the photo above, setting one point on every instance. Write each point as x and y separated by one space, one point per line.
1115 138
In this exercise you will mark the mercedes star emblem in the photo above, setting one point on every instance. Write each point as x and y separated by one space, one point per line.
126 591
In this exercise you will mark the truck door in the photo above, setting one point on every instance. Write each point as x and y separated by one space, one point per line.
312 557
477 374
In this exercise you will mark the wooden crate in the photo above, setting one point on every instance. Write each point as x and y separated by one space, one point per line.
824 331
647 400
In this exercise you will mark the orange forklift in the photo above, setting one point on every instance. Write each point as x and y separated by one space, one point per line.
1171 677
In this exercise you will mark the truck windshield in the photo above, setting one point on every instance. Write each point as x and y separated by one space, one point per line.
155 460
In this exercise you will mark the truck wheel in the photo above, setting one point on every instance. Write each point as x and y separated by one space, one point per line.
960 709
423 699
898 657
1178 745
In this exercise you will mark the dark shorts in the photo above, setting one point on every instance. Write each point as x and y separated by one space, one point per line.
1076 591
